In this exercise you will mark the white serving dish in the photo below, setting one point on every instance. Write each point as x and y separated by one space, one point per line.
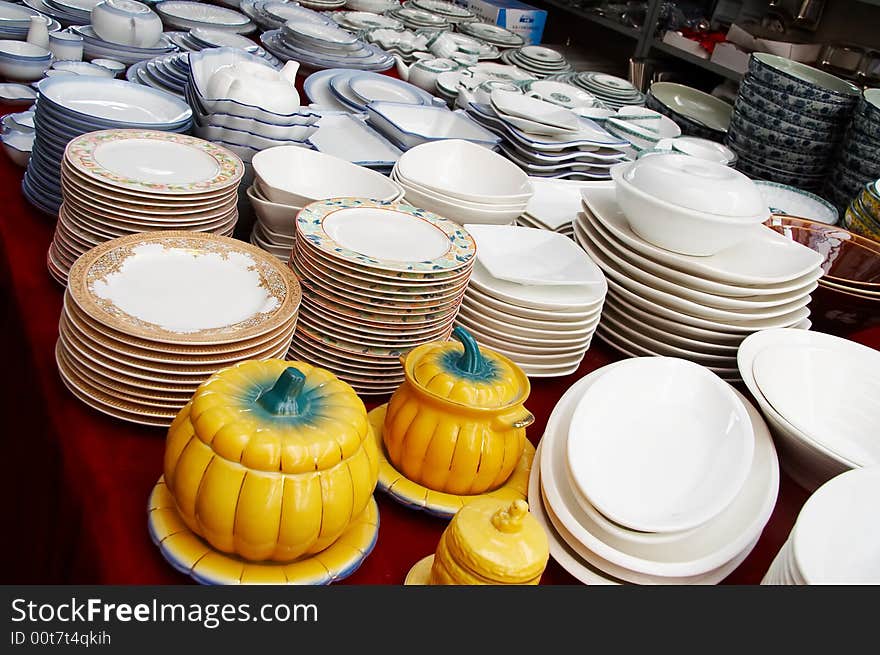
23 61
259 128
126 22
243 138
533 109
298 176
411 125
492 208
554 202
532 256
585 297
185 15
463 170
82 68
680 227
18 146
277 217
17 94
347 137
674 458
455 211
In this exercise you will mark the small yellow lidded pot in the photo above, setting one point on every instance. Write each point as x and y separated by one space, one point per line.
487 543
271 460
457 424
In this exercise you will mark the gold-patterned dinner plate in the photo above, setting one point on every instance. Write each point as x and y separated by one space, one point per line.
193 556
184 287
445 505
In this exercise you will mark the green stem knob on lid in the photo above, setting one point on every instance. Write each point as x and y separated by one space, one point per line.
284 398
471 362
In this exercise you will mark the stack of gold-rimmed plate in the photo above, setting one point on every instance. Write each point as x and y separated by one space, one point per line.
148 317
119 182
379 278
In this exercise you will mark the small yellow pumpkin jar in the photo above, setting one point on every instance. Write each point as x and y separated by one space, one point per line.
457 424
271 460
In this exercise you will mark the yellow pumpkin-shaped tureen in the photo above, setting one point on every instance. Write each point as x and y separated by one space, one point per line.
271 460
457 423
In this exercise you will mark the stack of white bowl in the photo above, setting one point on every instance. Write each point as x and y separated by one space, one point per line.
653 471
691 270
819 394
272 14
534 296
835 540
240 100
288 178
538 60
463 182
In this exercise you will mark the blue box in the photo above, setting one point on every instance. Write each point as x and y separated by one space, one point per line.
518 17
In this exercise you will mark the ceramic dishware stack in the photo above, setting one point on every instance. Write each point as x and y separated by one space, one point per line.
546 140
379 278
288 178
697 113
318 46
241 100
539 60
498 36
620 479
15 21
862 216
454 13
834 540
61 13
272 14
461 47
186 15
858 162
409 125
202 38
417 19
554 205
21 61
323 5
17 136
787 121
119 182
644 128
673 293
349 90
362 21
534 296
405 45
348 137
614 92
372 6
562 94
124 354
464 182
818 392
848 297
73 105
168 73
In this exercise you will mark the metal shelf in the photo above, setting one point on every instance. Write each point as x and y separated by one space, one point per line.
620 28
705 64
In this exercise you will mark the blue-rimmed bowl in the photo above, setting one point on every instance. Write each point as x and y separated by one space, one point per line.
23 61
18 146
802 80
241 137
759 92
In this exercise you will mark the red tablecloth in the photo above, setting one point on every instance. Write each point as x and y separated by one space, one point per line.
76 482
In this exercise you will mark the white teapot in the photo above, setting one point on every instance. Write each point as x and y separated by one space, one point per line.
258 85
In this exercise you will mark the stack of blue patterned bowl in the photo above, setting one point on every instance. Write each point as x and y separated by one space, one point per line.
789 120
858 160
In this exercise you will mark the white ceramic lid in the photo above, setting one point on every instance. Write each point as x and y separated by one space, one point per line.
697 184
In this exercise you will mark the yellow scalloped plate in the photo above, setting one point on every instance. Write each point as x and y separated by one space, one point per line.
192 555
438 503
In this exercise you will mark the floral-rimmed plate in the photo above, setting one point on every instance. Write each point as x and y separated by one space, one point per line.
184 287
380 234
150 160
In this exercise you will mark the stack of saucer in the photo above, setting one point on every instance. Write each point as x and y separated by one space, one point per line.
272 14
534 296
361 21
119 182
378 279
202 38
614 92
167 73
450 11
322 5
694 307
538 60
419 19
94 47
494 34
124 354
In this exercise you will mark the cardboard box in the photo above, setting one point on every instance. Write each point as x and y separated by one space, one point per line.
518 17
731 56
806 53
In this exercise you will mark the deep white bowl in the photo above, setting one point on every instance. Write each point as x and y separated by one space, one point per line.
23 61
456 211
297 176
277 217
675 227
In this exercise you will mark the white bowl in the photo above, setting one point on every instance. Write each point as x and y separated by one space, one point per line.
457 211
18 146
298 176
460 169
675 227
660 444
466 204
23 61
277 217
111 64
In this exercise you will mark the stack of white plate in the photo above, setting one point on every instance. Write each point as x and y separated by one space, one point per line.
463 181
201 38
124 354
62 12
286 179
406 44
72 105
94 47
534 296
835 540
819 394
554 205
317 46
653 471
119 182
167 73
360 21
351 90
378 279
186 15
694 307
419 19
272 14
615 92
322 5
539 60
586 153
493 34
244 128
15 21
452 12
372 6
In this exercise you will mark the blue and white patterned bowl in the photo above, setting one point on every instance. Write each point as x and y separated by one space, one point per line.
760 92
802 80
772 133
